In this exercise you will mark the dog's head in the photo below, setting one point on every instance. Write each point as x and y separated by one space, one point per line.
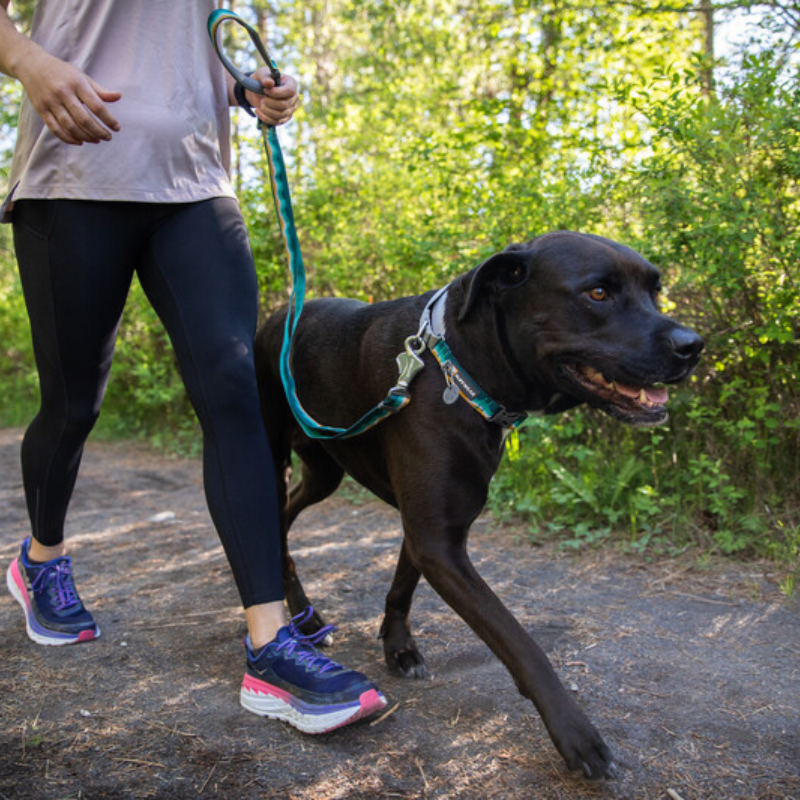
578 316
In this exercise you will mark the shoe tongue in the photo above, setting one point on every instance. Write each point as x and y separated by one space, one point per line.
284 634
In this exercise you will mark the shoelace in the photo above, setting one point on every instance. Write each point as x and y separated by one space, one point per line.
308 654
59 576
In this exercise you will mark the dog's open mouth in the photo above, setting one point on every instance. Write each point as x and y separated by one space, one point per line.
643 404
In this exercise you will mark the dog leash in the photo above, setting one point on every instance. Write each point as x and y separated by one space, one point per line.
408 362
431 328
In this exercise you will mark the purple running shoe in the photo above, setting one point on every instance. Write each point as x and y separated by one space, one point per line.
289 679
54 614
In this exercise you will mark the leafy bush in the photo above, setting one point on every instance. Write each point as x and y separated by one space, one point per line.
718 208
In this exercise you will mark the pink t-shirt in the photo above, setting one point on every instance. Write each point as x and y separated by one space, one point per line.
174 140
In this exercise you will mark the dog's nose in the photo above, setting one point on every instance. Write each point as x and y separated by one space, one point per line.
685 343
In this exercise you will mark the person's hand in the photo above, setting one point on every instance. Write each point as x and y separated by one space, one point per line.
72 105
278 103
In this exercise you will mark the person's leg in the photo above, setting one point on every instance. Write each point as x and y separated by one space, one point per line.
75 279
200 278
75 282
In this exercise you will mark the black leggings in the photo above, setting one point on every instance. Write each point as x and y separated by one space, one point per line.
76 261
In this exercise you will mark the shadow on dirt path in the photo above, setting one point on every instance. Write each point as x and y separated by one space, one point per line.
692 676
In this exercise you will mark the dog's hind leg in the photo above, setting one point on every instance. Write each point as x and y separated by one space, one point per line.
402 656
320 477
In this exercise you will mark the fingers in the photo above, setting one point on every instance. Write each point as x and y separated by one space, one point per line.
72 105
83 117
97 104
278 103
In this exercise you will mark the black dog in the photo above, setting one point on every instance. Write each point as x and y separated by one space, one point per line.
538 328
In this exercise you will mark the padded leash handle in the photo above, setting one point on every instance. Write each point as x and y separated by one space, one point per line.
215 21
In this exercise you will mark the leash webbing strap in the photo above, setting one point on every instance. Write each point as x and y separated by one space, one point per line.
398 396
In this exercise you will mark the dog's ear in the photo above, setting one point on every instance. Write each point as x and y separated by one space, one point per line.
502 271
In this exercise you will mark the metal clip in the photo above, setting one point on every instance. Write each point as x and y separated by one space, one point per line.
409 362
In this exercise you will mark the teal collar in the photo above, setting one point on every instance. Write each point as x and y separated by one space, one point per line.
459 383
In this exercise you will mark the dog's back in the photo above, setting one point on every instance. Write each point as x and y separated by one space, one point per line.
339 342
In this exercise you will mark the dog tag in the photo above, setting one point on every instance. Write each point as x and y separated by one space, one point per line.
450 394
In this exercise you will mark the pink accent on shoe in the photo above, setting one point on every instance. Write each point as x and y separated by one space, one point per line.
370 702
86 636
256 685
16 576
312 721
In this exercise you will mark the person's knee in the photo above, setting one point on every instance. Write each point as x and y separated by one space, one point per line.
68 418
230 389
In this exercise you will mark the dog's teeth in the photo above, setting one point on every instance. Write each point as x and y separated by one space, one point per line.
597 378
645 400
594 376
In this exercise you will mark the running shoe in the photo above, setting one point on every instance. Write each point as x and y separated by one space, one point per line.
54 614
289 679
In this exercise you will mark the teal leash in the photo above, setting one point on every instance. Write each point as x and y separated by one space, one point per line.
409 363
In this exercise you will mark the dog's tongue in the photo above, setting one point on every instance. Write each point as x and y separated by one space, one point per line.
656 395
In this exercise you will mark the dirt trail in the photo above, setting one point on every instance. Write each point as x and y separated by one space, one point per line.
693 676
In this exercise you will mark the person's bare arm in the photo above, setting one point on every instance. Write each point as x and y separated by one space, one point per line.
72 105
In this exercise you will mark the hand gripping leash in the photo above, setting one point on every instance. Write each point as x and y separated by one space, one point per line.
408 362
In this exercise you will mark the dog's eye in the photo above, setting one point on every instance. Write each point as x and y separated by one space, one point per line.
517 274
598 294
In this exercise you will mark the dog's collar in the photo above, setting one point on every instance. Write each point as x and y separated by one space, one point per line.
459 383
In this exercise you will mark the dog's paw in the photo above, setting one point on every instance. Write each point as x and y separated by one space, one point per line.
595 760
406 663
584 749
604 767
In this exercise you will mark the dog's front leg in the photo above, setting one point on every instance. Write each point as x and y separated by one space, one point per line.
444 562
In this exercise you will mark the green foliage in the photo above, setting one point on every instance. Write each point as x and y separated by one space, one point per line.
569 485
17 373
715 203
435 133
722 191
